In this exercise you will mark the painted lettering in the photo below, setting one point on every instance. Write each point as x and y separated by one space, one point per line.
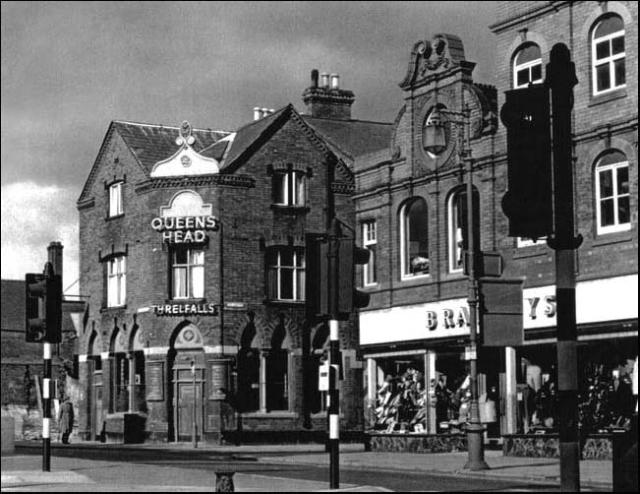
432 320
533 303
462 317
166 236
156 223
448 319
199 236
550 307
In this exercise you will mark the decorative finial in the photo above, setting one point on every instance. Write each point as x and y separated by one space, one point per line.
185 134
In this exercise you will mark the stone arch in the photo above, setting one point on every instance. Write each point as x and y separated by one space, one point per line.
94 344
601 9
519 42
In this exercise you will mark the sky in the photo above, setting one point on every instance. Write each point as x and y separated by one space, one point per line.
70 68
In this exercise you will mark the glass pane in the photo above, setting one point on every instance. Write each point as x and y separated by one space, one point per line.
112 291
299 179
300 274
286 284
603 80
299 259
536 73
623 210
602 50
179 282
370 268
617 45
280 188
197 257
612 158
272 283
623 180
606 184
286 257
180 256
609 25
620 72
528 54
522 77
197 282
272 257
123 289
606 212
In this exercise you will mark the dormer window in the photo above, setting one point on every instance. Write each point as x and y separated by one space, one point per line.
289 188
115 200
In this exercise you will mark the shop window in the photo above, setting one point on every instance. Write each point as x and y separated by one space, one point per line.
527 66
457 230
289 188
248 395
414 239
116 207
369 242
116 281
278 371
608 55
285 273
612 193
187 273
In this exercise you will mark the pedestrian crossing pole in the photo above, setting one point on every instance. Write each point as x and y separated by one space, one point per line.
334 358
46 409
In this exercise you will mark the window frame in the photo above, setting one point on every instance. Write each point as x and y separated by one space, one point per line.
614 168
189 267
609 60
119 278
290 185
516 67
452 249
278 267
116 208
370 242
404 245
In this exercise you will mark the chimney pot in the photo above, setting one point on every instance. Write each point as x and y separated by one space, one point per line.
335 81
324 79
314 78
257 113
265 112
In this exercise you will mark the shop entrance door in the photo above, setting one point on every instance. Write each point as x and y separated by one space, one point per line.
185 411
96 409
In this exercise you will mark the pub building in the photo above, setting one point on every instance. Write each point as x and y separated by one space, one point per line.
192 255
411 213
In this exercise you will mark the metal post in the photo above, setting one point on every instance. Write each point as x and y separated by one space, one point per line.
194 431
46 409
475 431
561 78
334 350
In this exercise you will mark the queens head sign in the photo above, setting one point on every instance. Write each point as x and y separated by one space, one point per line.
184 229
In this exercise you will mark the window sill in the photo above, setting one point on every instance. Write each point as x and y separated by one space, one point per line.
115 217
290 209
113 308
535 250
270 415
599 99
613 238
418 277
295 303
185 301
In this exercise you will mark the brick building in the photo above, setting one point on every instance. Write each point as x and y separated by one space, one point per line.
409 214
192 253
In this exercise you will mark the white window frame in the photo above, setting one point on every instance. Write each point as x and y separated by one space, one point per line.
404 253
293 188
116 207
610 60
455 250
116 281
527 242
369 242
298 254
189 266
525 66
617 226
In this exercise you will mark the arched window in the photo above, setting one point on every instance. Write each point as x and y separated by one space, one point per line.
527 66
607 55
457 226
278 371
414 239
612 193
249 371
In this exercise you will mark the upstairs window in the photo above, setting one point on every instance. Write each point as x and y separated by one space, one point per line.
608 55
289 188
285 274
187 273
458 233
369 242
116 281
414 239
612 193
527 66
115 200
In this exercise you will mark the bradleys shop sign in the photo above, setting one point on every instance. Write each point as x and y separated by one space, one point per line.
184 229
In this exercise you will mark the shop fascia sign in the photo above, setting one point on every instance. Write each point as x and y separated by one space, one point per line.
447 318
184 229
185 309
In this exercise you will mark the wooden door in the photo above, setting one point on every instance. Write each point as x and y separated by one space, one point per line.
184 412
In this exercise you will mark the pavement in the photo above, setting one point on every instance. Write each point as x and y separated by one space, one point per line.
22 471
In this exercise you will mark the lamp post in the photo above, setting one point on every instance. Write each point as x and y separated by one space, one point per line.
435 142
194 430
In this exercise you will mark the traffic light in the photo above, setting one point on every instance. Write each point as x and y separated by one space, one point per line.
316 276
349 297
528 200
43 306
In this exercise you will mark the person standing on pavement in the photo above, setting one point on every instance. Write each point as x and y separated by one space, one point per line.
65 420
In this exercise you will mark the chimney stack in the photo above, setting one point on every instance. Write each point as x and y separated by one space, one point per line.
257 113
55 257
327 100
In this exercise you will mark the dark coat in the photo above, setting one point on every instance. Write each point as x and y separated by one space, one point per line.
65 419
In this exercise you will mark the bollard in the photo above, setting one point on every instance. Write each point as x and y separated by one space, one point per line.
224 482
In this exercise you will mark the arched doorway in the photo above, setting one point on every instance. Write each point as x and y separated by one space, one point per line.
96 411
248 395
278 366
187 365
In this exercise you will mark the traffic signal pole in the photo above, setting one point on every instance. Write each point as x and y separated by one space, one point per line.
333 407
561 78
46 408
